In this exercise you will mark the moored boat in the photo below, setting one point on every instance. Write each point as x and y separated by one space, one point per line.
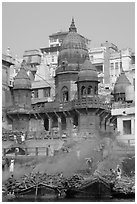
41 190
95 188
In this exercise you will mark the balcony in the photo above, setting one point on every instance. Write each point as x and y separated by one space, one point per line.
18 109
122 105
97 61
94 102
123 109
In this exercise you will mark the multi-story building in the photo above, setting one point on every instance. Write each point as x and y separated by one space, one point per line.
100 57
118 60
109 61
41 76
33 60
56 39
7 61
124 108
106 58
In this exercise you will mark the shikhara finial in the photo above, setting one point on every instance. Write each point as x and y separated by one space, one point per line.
72 27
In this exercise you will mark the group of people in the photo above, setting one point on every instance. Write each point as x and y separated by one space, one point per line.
116 172
22 137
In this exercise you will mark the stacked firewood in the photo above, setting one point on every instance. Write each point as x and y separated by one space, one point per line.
57 180
75 181
124 185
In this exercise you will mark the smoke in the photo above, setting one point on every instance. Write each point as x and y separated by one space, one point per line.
71 162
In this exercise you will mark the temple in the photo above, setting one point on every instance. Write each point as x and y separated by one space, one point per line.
78 110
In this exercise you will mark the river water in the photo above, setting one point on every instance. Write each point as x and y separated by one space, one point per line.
68 200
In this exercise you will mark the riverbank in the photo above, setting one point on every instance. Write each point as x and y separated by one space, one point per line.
105 154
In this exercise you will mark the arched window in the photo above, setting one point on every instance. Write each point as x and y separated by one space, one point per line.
65 95
83 90
90 90
63 65
95 91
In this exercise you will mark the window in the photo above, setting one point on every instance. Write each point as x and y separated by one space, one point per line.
36 93
134 83
63 65
65 95
99 68
83 90
112 66
46 92
53 40
116 65
32 94
126 127
91 58
95 91
116 69
112 69
90 90
52 58
100 80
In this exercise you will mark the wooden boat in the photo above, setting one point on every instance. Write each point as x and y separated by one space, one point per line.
39 191
96 188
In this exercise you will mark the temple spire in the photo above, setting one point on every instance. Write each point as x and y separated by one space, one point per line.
72 27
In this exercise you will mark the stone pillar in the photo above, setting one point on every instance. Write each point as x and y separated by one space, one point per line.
132 126
103 125
108 126
88 124
50 123
69 124
59 126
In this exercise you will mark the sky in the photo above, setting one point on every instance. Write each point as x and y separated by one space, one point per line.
27 26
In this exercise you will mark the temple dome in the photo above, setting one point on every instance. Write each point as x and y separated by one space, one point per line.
88 72
73 48
121 83
22 80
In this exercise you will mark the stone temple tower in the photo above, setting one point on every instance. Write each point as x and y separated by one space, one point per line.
87 85
19 112
72 55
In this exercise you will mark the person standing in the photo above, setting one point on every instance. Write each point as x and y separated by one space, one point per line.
15 139
118 172
78 154
89 162
50 150
11 167
23 138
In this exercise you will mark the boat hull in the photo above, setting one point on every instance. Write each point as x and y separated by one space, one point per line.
96 188
40 191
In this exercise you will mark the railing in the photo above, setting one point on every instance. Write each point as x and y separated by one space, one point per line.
31 135
122 105
16 108
60 69
30 151
129 142
93 102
